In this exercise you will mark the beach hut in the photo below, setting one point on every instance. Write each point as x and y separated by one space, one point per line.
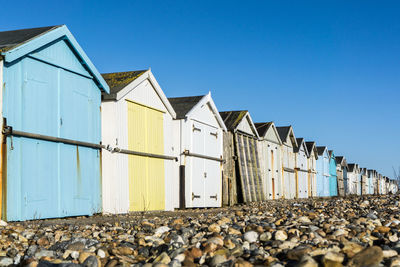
249 183
341 170
271 160
375 182
200 129
333 184
289 143
301 168
353 178
51 152
137 123
364 181
312 168
370 182
323 171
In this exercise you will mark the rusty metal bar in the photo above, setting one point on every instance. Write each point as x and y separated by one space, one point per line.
143 154
8 130
188 154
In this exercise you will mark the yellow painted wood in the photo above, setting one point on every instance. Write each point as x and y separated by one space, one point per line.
146 175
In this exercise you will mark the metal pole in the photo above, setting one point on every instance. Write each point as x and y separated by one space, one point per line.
187 153
143 154
9 131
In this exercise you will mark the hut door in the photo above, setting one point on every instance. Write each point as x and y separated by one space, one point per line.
212 167
199 173
273 174
146 174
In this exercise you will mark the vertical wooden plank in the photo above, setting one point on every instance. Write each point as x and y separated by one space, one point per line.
249 168
258 170
242 168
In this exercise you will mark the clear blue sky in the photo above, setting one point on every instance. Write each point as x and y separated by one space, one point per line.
329 68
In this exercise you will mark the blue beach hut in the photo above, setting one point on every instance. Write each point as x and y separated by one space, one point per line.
333 185
323 171
51 96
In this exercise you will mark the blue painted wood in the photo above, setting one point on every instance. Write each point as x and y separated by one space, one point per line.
333 176
50 97
61 32
323 174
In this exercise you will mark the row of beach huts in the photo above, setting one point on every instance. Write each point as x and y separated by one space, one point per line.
77 142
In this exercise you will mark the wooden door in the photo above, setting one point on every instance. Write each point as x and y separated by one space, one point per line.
273 174
146 174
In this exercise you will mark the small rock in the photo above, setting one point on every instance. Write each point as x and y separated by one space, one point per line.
74 255
307 261
304 220
370 256
298 253
214 228
265 236
101 253
382 229
217 260
44 253
251 236
6 261
162 258
161 230
280 235
3 223
389 253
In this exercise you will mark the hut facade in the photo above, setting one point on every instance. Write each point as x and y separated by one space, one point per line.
200 129
312 168
364 181
333 184
250 186
50 106
323 171
137 122
341 171
353 175
301 168
271 159
289 143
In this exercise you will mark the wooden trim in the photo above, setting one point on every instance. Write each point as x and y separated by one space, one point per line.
143 105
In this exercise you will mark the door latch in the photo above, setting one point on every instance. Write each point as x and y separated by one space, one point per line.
205 175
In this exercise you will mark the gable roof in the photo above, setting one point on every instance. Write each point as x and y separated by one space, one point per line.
18 43
182 105
311 146
284 132
186 106
121 83
341 160
321 150
119 80
351 167
263 127
300 142
12 39
232 119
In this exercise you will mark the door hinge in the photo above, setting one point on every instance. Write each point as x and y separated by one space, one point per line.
196 129
195 196
215 197
205 175
214 134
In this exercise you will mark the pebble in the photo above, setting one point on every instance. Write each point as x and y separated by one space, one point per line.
280 235
251 236
306 232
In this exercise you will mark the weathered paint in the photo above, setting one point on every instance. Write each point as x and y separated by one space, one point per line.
354 178
203 177
271 162
333 185
323 172
288 165
49 91
301 156
117 189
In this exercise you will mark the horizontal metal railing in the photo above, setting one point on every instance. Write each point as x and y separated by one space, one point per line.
187 153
